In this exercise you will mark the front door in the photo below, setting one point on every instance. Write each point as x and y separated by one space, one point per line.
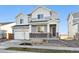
53 30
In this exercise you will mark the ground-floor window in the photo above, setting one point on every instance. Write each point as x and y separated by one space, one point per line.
40 29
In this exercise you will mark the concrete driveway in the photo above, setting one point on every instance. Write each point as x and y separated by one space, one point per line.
12 43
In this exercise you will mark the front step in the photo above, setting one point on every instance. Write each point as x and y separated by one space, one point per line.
54 41
54 38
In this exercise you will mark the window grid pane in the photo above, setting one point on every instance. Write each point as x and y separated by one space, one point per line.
40 28
40 16
21 21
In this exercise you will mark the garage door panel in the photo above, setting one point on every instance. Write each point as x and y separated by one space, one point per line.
19 35
27 35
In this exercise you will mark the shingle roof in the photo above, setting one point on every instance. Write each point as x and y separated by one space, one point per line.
20 25
75 15
5 23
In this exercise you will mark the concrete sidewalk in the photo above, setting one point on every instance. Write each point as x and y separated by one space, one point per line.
12 43
16 44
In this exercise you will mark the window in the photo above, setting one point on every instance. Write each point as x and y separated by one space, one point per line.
40 16
21 21
40 28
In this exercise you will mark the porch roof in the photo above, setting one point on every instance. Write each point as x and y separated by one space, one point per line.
39 23
21 26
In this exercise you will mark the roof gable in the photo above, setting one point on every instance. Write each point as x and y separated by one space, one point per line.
20 15
42 8
75 15
5 23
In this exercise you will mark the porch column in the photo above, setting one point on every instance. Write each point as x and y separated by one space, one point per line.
30 27
57 30
48 28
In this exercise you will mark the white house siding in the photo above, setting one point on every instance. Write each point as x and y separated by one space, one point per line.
73 21
40 10
70 26
50 18
78 27
24 17
54 15
75 29
30 27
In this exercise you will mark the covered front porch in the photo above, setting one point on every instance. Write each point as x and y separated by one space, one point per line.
50 33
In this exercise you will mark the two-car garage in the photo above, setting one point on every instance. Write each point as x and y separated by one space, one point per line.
21 33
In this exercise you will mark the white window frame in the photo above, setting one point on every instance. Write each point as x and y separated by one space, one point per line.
21 21
40 16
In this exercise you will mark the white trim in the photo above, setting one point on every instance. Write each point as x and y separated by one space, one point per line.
40 7
30 28
48 28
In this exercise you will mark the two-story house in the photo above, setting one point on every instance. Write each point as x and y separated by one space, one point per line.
41 23
73 25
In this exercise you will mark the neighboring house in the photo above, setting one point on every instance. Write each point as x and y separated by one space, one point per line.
42 23
6 29
73 25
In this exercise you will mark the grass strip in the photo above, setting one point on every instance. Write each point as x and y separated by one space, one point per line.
40 50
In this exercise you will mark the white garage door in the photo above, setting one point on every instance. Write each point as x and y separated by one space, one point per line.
21 35
27 35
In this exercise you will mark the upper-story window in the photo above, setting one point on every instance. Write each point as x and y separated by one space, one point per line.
40 16
21 21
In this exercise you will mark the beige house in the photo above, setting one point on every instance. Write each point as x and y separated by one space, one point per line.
6 29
